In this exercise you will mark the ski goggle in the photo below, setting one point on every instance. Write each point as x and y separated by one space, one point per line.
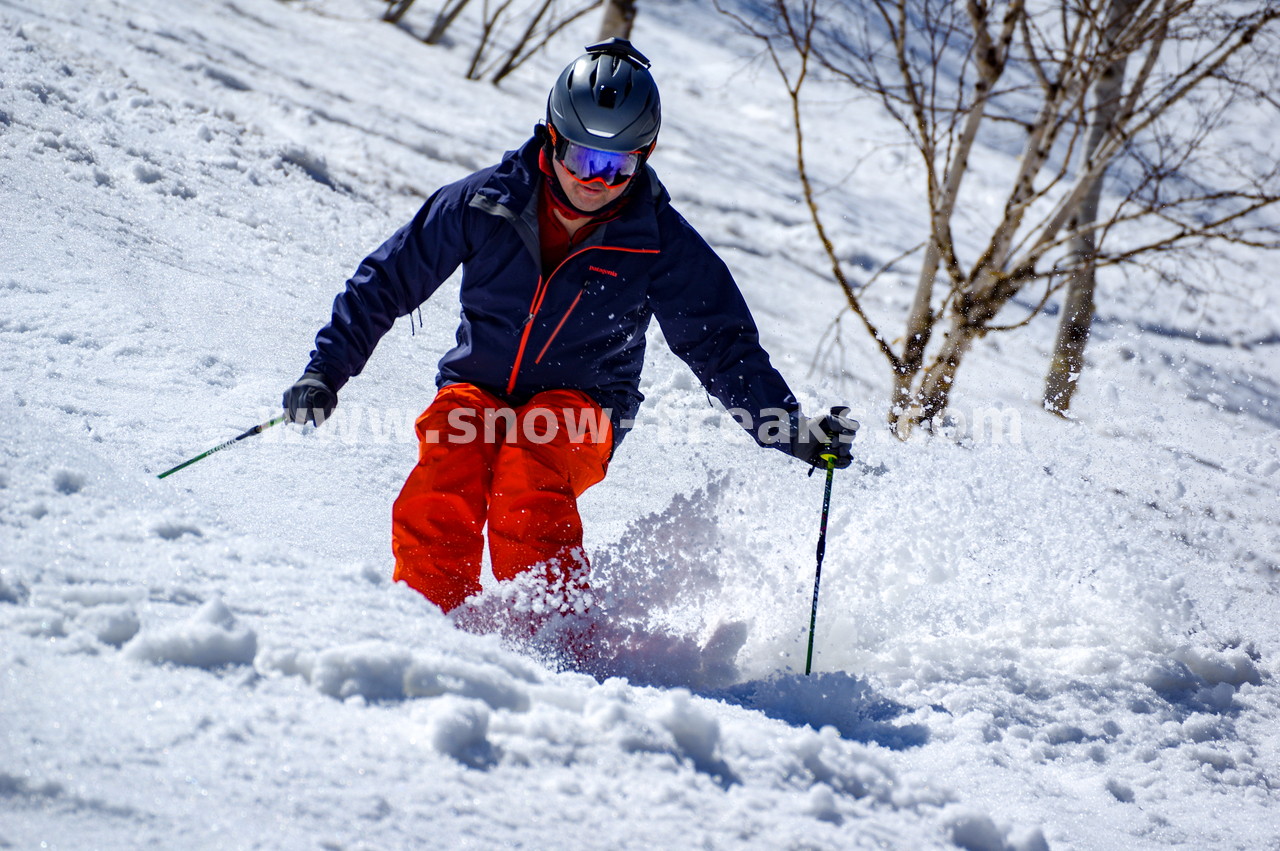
591 165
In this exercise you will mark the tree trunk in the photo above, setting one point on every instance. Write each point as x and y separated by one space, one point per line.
1067 362
940 249
939 378
448 14
396 11
513 57
919 330
1068 349
487 27
970 319
619 17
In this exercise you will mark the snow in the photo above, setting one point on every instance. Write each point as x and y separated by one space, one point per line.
1033 634
211 638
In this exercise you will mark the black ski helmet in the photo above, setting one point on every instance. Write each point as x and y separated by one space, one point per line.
607 99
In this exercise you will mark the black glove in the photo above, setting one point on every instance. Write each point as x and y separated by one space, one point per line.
831 434
309 400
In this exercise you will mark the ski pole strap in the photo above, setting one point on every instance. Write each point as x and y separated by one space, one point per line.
258 429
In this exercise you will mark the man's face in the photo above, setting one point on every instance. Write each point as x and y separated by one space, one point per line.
587 197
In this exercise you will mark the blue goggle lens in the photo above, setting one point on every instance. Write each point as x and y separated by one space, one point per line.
589 164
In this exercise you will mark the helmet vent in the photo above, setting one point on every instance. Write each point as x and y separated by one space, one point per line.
607 96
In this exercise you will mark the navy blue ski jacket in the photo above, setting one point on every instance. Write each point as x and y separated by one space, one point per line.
583 326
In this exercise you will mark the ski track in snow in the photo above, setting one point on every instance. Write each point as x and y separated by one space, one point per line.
1066 639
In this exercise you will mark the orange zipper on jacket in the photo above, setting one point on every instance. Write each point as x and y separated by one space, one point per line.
560 324
540 294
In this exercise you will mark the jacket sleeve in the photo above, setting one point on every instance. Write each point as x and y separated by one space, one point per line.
391 282
708 325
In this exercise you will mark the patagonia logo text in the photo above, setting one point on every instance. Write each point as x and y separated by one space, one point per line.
608 272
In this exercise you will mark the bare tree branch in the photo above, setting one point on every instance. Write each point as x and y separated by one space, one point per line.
1135 90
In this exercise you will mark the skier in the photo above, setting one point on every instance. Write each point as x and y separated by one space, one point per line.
568 246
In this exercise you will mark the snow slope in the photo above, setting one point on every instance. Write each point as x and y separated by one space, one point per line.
1065 637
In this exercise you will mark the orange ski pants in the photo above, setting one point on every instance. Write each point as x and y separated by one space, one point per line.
520 470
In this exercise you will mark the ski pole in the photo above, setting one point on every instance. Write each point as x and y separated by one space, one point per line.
822 549
258 429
